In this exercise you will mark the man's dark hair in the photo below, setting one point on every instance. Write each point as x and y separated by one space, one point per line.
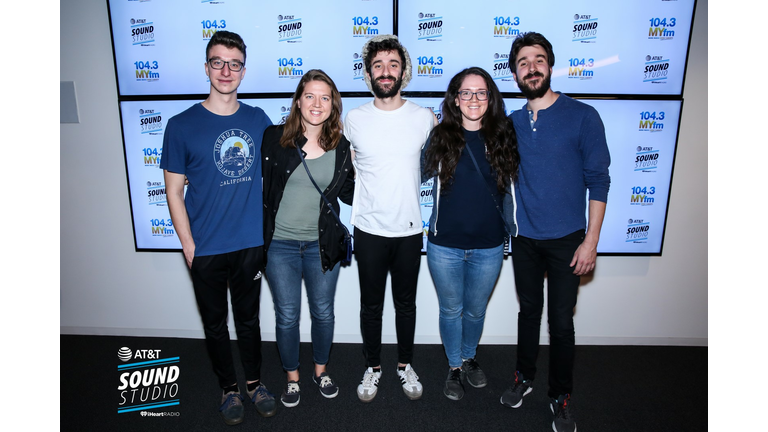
530 39
228 39
386 45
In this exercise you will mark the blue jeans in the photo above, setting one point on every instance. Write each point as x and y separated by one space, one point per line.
287 262
464 280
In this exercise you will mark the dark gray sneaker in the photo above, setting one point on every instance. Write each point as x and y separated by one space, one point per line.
561 408
475 376
291 395
453 388
263 400
231 408
328 387
513 396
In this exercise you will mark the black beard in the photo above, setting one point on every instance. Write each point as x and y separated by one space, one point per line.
531 93
383 93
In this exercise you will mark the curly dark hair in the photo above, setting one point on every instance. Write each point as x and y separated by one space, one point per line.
447 138
384 45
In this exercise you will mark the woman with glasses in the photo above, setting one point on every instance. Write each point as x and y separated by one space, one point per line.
472 157
302 238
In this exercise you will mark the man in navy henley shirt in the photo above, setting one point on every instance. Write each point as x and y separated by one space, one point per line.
564 162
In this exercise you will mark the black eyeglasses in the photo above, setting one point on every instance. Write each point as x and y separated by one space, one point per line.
466 95
234 65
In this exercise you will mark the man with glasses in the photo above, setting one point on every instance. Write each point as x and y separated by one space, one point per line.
219 222
386 136
564 161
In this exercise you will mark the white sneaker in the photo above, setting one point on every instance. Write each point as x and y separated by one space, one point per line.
410 381
368 387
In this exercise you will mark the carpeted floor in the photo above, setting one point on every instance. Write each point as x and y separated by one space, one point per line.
617 388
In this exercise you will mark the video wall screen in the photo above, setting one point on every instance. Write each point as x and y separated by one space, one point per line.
627 59
641 138
601 47
160 45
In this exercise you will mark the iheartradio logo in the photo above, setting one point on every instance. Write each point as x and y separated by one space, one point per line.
124 354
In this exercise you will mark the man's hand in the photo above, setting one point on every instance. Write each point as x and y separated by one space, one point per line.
189 254
584 258
586 254
174 193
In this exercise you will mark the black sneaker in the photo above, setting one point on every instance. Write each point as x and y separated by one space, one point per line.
263 400
513 396
328 388
475 376
231 408
561 408
453 388
291 395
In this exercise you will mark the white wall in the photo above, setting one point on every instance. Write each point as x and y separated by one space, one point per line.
109 289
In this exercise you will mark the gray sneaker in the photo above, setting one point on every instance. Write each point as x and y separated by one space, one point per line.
231 408
263 400
561 408
475 376
513 396
453 388
328 387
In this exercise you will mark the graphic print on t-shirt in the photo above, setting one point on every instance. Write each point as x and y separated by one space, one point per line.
233 152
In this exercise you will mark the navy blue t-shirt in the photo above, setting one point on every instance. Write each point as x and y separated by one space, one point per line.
467 214
221 157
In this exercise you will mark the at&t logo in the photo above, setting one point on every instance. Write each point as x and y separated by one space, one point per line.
288 29
584 28
430 27
124 354
656 69
142 32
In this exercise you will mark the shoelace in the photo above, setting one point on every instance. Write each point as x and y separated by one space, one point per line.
261 394
472 365
325 381
292 388
410 376
370 379
231 401
456 374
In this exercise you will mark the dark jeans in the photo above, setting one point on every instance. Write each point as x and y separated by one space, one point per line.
210 274
532 259
376 256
